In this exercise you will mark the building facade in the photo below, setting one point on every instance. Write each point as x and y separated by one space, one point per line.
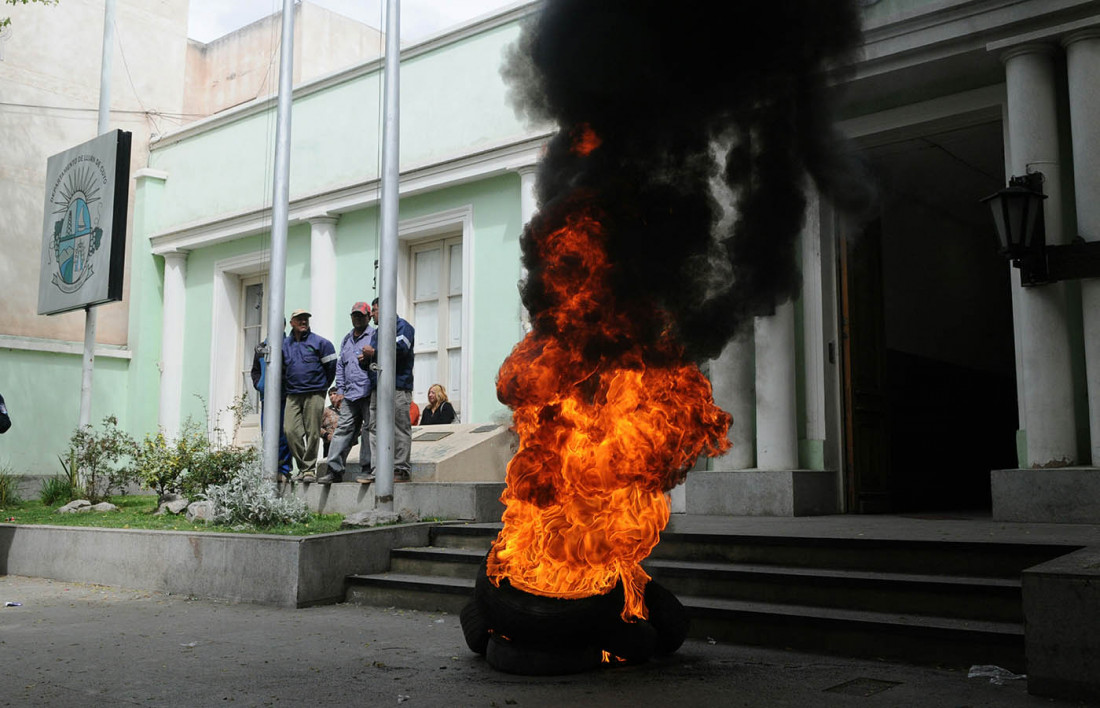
912 366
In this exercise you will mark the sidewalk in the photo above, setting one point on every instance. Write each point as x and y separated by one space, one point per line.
70 644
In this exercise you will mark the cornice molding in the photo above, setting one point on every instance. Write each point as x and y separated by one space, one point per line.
350 197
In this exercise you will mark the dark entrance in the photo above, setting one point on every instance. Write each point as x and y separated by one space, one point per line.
929 366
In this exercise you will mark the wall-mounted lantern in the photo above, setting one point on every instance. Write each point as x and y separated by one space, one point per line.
1018 217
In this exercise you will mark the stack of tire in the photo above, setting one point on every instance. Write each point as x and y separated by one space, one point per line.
521 633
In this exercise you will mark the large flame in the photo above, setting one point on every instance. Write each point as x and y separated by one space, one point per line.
606 426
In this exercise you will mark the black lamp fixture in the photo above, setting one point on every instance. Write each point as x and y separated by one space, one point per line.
1018 216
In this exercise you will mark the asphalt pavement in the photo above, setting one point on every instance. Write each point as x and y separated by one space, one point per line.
71 644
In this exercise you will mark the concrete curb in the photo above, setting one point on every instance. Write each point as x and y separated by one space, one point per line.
285 571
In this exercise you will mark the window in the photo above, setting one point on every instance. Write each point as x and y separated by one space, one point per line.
253 329
436 286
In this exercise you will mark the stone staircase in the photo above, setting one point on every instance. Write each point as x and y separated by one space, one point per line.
946 603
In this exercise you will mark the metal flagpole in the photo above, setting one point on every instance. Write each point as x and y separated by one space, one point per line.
387 298
102 124
276 282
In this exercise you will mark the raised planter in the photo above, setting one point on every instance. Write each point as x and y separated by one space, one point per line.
287 571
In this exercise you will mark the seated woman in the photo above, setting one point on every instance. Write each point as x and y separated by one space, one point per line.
439 410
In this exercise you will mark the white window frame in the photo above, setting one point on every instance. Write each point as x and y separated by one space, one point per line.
443 347
250 425
225 328
458 222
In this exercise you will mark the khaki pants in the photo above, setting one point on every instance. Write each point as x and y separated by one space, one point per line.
402 431
303 428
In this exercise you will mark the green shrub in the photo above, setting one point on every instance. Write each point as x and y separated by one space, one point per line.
9 488
56 491
97 458
248 498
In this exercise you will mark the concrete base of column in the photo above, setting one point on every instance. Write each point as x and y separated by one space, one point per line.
762 492
1068 495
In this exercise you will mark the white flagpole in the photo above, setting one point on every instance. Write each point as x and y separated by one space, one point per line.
88 365
276 283
387 298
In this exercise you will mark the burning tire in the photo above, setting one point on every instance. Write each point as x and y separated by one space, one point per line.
475 627
668 617
524 617
633 642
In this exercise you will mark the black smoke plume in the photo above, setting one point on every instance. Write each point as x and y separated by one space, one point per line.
698 107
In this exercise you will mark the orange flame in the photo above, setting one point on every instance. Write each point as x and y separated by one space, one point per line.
585 140
602 438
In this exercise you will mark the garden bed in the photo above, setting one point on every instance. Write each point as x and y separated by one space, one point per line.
270 569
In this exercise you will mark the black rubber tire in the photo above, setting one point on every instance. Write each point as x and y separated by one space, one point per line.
539 659
475 627
668 617
633 642
528 618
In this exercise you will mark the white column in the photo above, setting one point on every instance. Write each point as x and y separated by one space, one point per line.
1033 146
776 421
322 276
1083 68
528 205
813 320
171 342
732 378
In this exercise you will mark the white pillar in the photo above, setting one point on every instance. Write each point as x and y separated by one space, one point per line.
171 342
322 276
528 205
1033 146
1083 68
813 322
776 421
732 377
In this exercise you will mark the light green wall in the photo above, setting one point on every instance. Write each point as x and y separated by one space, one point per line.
453 103
42 392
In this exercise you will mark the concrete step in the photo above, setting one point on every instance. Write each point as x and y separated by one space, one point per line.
979 598
1004 560
475 535
436 561
891 636
944 603
413 592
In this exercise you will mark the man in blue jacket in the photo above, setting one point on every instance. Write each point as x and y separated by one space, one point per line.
352 398
402 430
309 368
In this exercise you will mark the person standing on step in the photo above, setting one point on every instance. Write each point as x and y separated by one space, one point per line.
309 368
402 432
352 398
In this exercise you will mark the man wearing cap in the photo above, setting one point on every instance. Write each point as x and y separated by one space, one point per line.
352 398
309 368
403 380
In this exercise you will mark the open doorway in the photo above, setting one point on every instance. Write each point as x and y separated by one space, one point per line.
930 368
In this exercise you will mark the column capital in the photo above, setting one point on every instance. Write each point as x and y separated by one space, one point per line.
322 219
146 173
1081 35
1043 48
524 170
175 256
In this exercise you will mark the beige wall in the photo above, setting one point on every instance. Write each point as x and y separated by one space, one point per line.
49 100
244 65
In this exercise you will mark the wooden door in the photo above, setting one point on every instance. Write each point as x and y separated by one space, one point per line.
863 336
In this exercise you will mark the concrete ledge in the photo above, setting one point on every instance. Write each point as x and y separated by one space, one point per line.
1068 495
467 501
1061 613
287 571
762 492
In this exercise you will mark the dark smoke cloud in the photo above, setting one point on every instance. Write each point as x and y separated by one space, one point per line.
684 95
